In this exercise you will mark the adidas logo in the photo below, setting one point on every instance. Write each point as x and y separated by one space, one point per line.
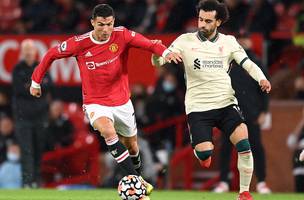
88 54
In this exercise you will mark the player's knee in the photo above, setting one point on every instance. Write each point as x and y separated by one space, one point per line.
202 155
243 145
106 131
105 127
107 134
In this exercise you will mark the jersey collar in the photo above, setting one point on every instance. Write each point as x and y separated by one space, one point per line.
202 38
98 42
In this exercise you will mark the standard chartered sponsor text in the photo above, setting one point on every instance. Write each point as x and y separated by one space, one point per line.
212 63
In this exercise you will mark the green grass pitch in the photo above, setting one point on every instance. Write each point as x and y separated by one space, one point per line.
104 194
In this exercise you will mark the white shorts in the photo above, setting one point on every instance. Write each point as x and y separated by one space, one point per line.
122 116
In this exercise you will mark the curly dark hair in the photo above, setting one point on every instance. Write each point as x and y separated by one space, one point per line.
221 9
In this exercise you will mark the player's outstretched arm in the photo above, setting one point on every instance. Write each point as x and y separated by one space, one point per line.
158 61
169 56
257 74
241 57
65 49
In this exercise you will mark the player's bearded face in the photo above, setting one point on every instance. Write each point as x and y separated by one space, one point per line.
207 32
207 23
103 27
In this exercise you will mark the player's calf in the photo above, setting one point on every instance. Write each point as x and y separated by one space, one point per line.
136 162
245 164
121 155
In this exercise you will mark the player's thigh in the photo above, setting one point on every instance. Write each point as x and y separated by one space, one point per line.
232 124
125 122
200 130
101 119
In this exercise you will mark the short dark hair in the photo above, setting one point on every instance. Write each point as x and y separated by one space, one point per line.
221 9
102 10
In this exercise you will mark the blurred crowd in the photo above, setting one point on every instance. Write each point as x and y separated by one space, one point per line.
72 16
145 16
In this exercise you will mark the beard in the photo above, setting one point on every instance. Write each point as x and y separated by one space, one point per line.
206 33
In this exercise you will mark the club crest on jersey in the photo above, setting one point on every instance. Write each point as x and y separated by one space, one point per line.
113 48
92 115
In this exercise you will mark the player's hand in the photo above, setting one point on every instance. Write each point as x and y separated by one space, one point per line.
36 92
175 57
301 157
265 85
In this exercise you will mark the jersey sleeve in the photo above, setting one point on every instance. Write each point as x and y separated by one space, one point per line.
241 58
66 49
139 41
237 51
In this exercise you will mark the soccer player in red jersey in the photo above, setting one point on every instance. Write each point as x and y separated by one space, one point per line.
102 59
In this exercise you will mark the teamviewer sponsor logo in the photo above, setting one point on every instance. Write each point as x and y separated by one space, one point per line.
90 65
106 62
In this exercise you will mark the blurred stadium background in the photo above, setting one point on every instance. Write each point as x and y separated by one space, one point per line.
275 29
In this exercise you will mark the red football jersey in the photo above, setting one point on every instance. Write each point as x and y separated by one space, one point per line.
102 65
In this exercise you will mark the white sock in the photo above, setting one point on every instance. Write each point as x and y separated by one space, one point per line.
245 166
